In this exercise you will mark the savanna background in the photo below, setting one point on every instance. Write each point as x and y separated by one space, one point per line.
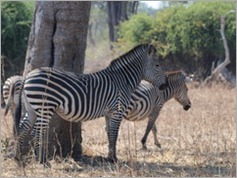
199 142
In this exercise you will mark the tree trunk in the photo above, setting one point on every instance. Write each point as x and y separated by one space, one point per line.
119 11
58 39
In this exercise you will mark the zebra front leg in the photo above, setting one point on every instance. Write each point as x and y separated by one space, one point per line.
112 132
154 131
151 120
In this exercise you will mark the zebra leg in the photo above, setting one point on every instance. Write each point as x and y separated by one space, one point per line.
106 124
40 140
154 131
112 133
151 120
24 130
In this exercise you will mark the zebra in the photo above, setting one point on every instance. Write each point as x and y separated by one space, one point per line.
87 96
11 92
148 100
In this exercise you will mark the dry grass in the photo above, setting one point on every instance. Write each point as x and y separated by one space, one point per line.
198 142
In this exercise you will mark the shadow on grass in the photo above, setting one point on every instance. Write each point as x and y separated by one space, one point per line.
156 169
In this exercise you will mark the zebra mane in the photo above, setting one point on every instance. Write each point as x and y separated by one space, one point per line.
176 72
125 57
171 74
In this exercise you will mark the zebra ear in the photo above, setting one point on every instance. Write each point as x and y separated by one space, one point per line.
188 79
151 50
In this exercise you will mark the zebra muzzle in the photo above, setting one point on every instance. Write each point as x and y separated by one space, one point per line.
186 107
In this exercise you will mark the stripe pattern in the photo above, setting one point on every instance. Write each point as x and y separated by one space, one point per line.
11 92
85 97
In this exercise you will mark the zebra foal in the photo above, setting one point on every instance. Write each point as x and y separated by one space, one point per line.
79 98
148 100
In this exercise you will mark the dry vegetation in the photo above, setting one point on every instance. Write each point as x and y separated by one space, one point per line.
198 142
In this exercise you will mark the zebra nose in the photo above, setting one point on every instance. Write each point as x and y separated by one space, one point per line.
186 107
163 86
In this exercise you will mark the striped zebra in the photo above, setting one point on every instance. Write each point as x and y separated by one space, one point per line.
80 98
148 100
11 92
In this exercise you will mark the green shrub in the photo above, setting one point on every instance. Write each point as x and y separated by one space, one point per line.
186 36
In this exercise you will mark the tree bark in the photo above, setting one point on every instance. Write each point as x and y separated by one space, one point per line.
58 39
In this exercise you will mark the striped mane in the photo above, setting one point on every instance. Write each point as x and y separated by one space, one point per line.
176 72
125 59
173 75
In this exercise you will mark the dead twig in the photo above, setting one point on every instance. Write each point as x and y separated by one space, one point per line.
215 73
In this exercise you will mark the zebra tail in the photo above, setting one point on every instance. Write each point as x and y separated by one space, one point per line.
9 99
18 110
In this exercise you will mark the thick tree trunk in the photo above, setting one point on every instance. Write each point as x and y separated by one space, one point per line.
58 39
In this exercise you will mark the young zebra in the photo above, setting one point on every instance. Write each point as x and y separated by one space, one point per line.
80 98
148 100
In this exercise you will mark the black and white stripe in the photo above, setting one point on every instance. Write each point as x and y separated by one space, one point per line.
11 91
89 96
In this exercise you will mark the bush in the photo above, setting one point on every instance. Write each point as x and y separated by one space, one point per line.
16 22
186 36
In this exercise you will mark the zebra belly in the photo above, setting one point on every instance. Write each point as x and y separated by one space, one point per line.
138 113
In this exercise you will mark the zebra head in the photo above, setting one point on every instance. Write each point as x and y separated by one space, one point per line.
153 71
181 90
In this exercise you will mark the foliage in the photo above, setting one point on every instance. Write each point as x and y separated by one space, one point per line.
186 35
97 23
137 29
16 18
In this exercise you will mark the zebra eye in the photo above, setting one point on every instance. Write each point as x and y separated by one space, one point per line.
157 65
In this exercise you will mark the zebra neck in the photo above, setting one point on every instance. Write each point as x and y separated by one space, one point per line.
128 73
168 93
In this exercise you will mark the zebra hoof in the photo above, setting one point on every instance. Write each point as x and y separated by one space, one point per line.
158 145
144 147
20 162
112 160
46 165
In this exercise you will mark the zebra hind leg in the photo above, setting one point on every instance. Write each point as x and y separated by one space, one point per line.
150 125
24 131
41 139
154 131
